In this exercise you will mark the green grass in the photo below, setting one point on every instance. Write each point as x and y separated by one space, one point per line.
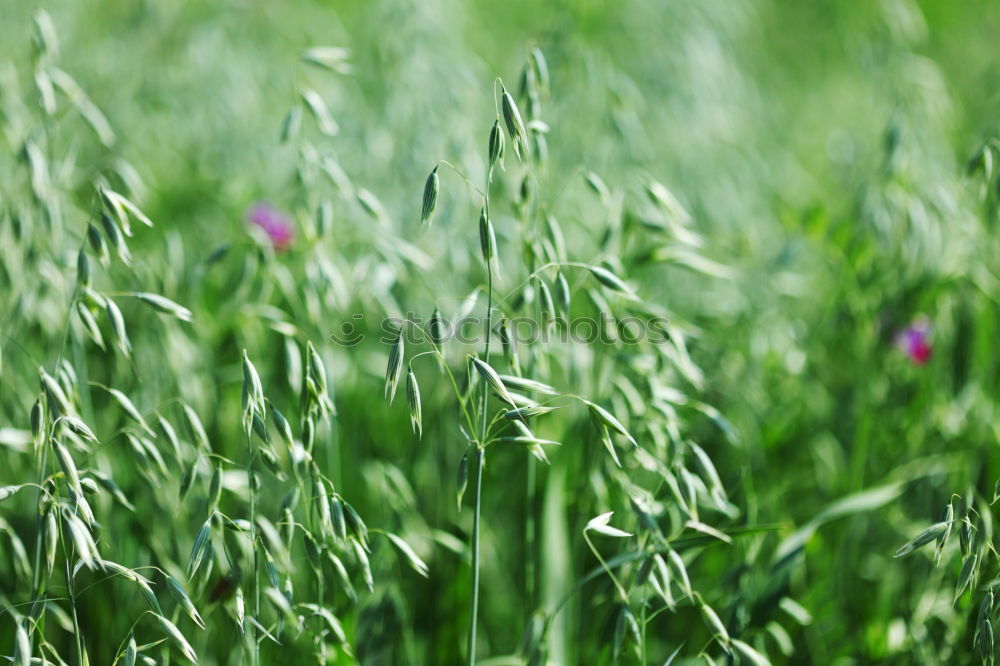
787 187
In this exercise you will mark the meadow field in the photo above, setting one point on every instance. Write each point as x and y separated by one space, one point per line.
526 333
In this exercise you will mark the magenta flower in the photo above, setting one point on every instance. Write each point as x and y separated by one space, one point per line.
915 341
273 222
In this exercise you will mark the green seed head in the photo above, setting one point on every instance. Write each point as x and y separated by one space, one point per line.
38 421
82 268
431 188
484 237
541 69
496 144
436 328
515 126
413 402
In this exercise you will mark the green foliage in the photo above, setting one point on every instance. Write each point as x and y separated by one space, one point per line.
220 247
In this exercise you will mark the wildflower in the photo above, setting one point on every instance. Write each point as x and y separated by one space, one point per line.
914 341
273 222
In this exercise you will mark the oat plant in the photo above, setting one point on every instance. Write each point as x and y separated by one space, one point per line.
504 399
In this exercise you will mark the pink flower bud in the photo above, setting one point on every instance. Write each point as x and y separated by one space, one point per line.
915 341
273 222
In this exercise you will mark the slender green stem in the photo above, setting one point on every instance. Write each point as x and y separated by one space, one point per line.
623 595
77 633
71 593
477 493
497 418
255 651
645 621
36 583
489 296
529 537
530 528
462 176
486 354
70 585
480 449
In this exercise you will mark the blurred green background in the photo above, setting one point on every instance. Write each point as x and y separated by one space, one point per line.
821 148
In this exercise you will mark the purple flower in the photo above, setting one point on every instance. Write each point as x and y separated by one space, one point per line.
915 341
275 223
